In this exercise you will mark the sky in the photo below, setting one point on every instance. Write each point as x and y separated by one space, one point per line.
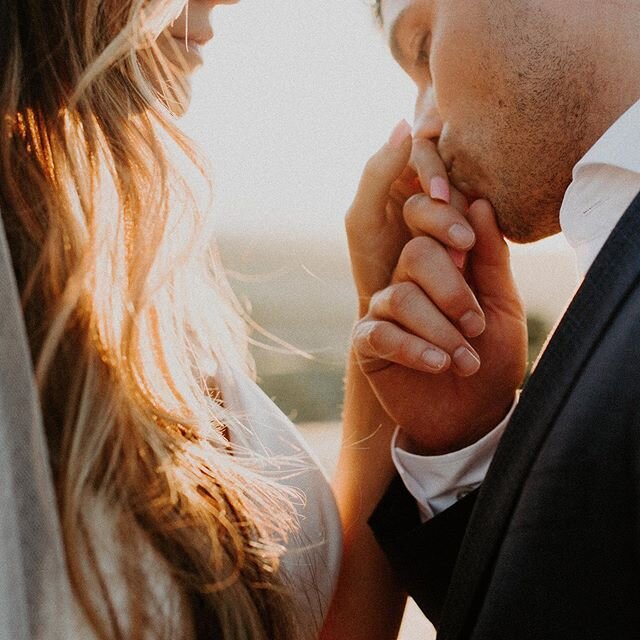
293 98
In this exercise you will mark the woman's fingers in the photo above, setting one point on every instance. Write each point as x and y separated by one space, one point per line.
431 170
378 343
450 226
425 215
446 223
425 262
380 173
375 229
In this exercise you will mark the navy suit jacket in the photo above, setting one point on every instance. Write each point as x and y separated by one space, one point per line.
549 546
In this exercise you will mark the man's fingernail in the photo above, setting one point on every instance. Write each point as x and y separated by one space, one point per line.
434 358
439 189
466 362
472 323
462 237
399 135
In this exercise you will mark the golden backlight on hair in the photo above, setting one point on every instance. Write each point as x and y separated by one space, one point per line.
114 259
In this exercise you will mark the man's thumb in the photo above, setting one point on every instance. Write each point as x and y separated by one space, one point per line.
491 260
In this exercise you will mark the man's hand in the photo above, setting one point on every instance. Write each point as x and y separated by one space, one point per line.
442 334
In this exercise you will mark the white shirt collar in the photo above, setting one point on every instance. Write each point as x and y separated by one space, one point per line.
605 181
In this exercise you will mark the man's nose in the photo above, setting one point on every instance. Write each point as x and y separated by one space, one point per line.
426 123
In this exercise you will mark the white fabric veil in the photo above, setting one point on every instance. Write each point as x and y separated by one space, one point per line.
35 593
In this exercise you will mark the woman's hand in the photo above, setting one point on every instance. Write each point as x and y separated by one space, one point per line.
387 211
442 334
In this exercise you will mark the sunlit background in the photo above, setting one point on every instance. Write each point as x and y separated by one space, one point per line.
293 99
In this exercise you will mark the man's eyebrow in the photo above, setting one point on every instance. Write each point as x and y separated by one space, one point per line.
394 37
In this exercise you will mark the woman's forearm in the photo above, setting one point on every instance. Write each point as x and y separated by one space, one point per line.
369 602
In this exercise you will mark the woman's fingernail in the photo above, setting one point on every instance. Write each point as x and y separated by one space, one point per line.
439 189
472 323
399 135
434 358
466 361
459 257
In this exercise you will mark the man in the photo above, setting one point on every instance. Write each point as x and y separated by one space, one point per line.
529 110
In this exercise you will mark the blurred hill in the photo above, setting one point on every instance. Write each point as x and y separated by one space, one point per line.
300 292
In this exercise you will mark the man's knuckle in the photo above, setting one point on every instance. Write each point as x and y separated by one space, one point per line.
401 298
357 329
377 301
378 337
415 251
453 298
406 353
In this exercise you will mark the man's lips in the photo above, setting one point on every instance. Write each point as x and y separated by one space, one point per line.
461 183
468 192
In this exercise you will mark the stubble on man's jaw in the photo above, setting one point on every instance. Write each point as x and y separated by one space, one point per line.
541 125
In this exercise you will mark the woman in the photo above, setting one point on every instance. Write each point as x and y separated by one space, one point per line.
186 504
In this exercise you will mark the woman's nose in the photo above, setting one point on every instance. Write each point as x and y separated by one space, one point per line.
213 3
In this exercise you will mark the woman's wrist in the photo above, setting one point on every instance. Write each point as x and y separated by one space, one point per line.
365 467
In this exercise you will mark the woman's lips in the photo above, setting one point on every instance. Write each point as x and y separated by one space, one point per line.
193 43
189 45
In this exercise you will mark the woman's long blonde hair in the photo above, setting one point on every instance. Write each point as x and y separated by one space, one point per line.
128 323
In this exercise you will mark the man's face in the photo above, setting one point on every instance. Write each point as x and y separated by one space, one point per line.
505 88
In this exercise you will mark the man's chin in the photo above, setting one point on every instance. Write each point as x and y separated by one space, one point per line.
523 229
521 218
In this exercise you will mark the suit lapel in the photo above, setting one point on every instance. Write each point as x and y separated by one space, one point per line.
615 271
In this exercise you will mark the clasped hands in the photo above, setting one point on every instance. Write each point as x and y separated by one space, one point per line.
441 334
